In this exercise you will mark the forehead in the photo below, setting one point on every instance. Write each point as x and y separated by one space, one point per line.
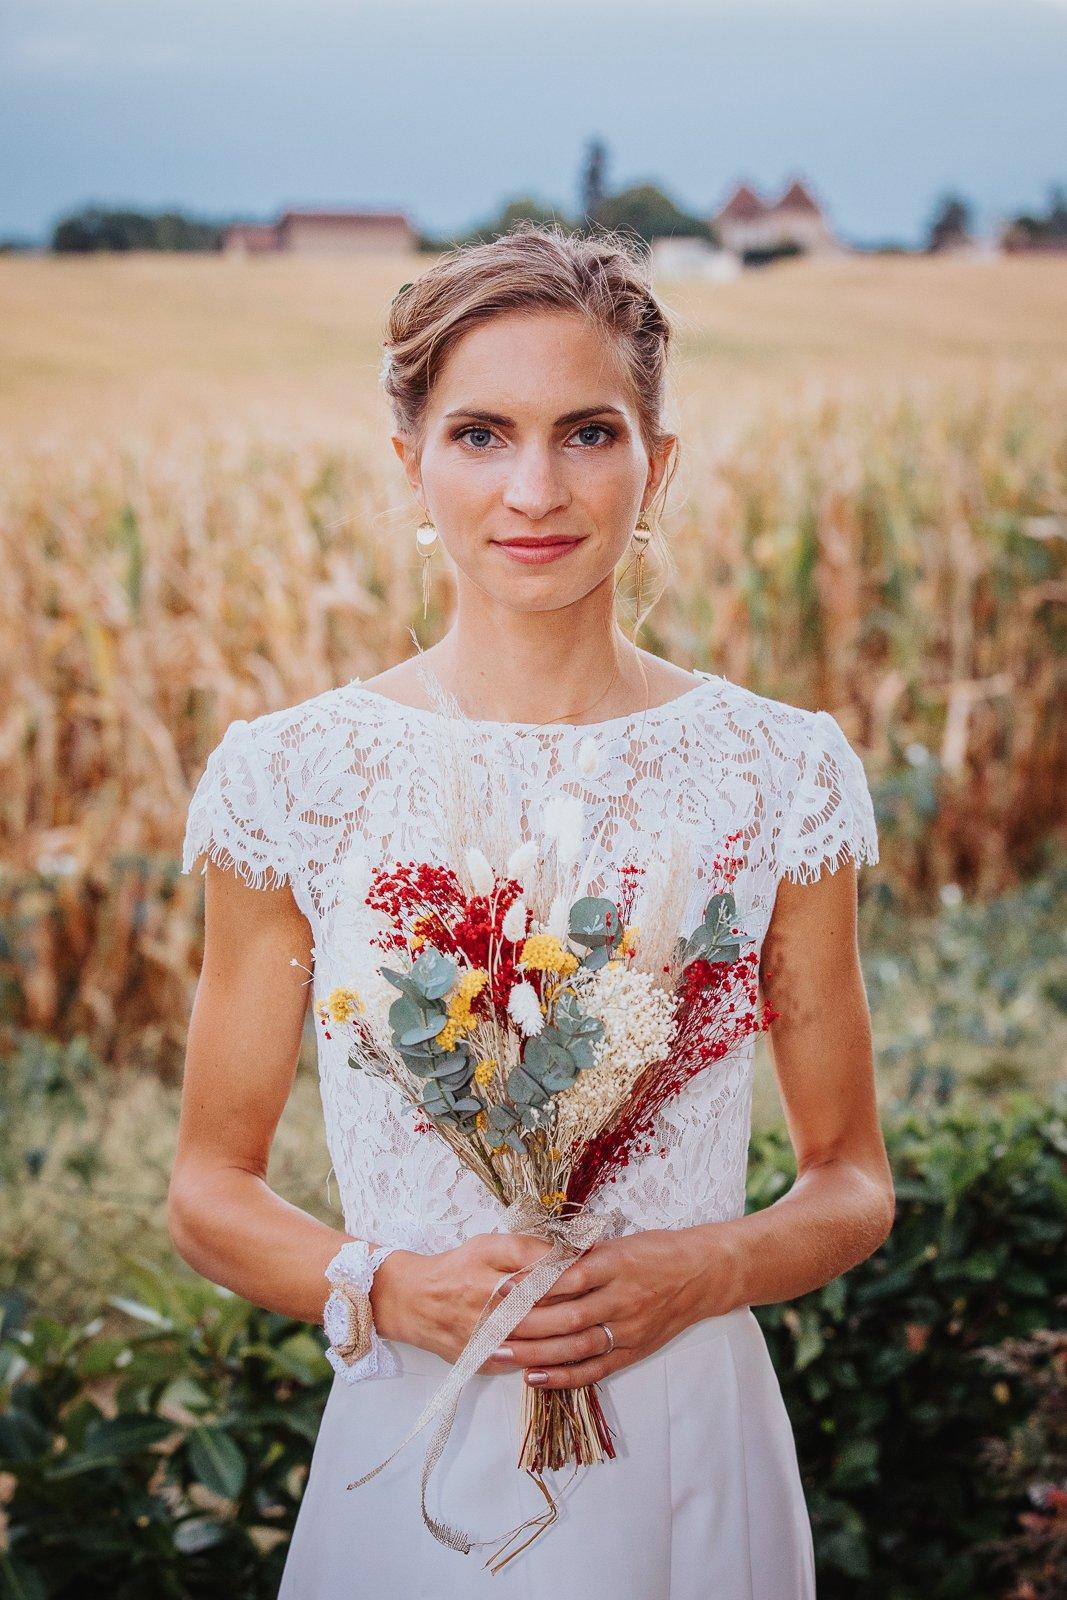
532 359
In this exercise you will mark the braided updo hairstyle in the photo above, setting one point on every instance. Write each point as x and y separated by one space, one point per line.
534 267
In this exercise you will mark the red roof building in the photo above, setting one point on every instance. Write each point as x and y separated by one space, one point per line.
332 233
750 225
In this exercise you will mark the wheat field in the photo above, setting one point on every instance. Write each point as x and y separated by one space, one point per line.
202 519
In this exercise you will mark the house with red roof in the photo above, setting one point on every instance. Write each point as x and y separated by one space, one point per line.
325 233
755 227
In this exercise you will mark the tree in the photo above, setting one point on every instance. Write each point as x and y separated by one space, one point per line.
98 228
651 214
950 225
594 189
526 209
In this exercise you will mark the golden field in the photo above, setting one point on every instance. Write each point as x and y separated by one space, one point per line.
202 519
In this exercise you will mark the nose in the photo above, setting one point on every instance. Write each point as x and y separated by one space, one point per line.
535 484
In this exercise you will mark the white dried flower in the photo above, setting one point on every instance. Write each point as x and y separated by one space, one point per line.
524 1008
588 759
522 859
564 818
513 922
558 921
638 1018
479 871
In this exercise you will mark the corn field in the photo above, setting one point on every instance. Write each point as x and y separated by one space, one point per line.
202 519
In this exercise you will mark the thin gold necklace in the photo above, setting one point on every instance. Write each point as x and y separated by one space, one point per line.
599 698
556 720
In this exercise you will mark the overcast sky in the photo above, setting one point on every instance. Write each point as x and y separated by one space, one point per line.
444 108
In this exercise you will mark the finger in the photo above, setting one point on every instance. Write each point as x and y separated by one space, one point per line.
564 1349
577 1374
567 1316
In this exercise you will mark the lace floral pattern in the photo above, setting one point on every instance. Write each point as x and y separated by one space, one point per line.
283 799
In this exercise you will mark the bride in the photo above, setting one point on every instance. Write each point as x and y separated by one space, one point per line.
526 378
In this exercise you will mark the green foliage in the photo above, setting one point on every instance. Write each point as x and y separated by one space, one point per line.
974 995
643 210
161 1449
162 1457
97 228
648 212
880 1371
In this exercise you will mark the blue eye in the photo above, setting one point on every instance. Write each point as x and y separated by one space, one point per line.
597 427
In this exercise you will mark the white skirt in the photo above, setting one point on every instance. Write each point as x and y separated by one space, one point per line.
703 1500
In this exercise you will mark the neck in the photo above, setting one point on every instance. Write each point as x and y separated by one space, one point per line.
515 666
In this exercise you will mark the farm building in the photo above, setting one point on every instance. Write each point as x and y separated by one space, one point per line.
330 233
752 226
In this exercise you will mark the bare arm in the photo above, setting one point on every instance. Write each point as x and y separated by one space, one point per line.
224 1219
841 1206
242 1051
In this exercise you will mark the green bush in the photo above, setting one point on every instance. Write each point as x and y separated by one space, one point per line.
166 1456
163 1459
880 1371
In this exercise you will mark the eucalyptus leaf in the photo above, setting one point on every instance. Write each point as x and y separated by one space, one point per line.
594 921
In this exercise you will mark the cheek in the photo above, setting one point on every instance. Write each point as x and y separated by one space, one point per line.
458 485
614 479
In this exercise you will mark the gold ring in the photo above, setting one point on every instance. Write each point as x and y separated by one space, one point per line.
611 1338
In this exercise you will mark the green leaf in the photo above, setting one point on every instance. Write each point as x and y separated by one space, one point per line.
198 1533
217 1461
109 1440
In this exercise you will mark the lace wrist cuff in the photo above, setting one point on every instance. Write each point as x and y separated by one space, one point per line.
355 1348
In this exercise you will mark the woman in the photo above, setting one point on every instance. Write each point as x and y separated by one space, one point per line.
526 378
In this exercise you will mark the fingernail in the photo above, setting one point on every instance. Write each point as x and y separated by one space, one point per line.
536 1377
505 1351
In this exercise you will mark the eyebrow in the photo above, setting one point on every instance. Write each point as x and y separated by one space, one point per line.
509 422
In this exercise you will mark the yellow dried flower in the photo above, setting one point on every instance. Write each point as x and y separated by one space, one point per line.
482 1119
542 952
344 1004
629 938
553 1197
483 1072
460 1017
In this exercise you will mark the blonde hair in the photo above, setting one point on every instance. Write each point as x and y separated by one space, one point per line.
534 267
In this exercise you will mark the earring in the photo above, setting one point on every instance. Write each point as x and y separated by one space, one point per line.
640 537
426 544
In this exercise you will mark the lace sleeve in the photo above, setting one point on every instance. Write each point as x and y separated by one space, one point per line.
832 814
234 818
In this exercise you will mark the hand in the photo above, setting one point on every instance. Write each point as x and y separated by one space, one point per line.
434 1300
647 1286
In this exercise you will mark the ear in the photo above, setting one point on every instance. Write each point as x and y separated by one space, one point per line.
658 464
405 449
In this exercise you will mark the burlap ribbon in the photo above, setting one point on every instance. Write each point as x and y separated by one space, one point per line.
571 1235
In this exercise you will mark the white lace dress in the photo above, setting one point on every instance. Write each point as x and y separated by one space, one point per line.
703 1500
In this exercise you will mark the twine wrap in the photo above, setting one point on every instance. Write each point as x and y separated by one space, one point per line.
571 1236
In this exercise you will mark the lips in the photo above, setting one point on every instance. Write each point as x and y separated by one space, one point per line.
535 552
537 544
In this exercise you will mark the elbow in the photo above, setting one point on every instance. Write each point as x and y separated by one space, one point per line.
181 1217
890 1194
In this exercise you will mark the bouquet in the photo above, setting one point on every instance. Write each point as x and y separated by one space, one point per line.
538 1030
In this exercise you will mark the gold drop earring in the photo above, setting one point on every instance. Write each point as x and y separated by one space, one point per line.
640 537
426 543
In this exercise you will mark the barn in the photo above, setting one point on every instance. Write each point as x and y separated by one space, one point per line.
325 233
